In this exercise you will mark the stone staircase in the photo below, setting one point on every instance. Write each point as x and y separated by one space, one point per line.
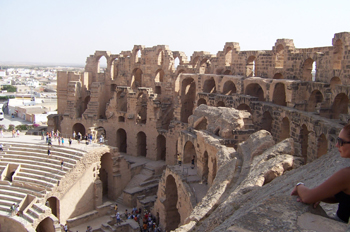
28 174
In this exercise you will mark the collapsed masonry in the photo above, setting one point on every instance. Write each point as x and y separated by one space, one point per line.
155 103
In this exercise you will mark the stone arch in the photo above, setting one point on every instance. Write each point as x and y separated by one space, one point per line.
100 131
250 67
102 64
137 56
205 162
189 152
307 69
122 140
285 129
46 225
315 98
201 101
204 66
279 56
195 61
159 75
121 119
122 102
335 81
229 88
161 147
78 127
176 62
278 76
255 90
136 80
141 109
304 141
220 104
201 124
209 86
106 174
340 105
141 144
160 59
228 56
266 121
244 107
177 81
279 95
188 95
227 72
172 216
337 54
54 204
322 145
218 71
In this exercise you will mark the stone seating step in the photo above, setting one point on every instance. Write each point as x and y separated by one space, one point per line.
71 155
32 214
42 158
22 190
7 203
10 197
40 183
28 217
153 181
37 177
38 208
5 210
12 193
43 152
31 162
56 174
45 169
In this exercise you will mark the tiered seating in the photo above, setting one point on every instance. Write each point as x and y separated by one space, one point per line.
37 174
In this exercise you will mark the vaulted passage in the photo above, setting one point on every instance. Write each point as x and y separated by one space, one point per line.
209 86
121 140
106 174
188 95
279 95
136 80
54 204
285 129
255 90
201 101
340 105
78 127
229 88
46 225
202 124
322 146
189 152
141 144
244 107
307 69
266 121
161 148
172 216
250 68
315 98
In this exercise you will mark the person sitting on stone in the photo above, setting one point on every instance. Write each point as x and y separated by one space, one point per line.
336 189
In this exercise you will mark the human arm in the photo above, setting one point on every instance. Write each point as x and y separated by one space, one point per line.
339 181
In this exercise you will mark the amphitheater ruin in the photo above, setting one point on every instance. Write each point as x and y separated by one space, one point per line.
225 111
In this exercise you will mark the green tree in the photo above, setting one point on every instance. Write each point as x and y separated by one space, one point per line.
9 88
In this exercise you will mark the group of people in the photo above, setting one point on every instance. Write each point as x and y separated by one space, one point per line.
15 133
79 137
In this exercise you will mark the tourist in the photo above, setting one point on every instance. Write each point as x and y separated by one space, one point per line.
336 188
49 143
74 134
1 147
59 141
1 133
118 218
179 160
62 141
13 133
101 140
48 151
90 138
79 137
116 208
192 162
13 209
62 164
89 229
65 228
17 133
70 141
17 210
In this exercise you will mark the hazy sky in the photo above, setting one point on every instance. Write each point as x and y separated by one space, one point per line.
68 31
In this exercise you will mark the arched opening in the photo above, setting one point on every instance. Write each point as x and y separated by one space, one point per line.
337 54
54 204
285 129
78 127
304 141
279 56
205 167
141 144
201 101
121 140
106 173
204 67
335 81
202 124
220 104
255 90
219 71
315 98
244 107
278 76
189 152
136 80
340 105
158 90
138 56
229 88
322 146
307 69
209 86
121 119
176 62
100 131
46 225
160 59
227 72
115 69
122 102
159 75
161 147
177 81
250 67
172 216
279 95
188 94
141 109
266 121
228 56
102 64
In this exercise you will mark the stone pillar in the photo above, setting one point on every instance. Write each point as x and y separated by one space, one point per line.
98 193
